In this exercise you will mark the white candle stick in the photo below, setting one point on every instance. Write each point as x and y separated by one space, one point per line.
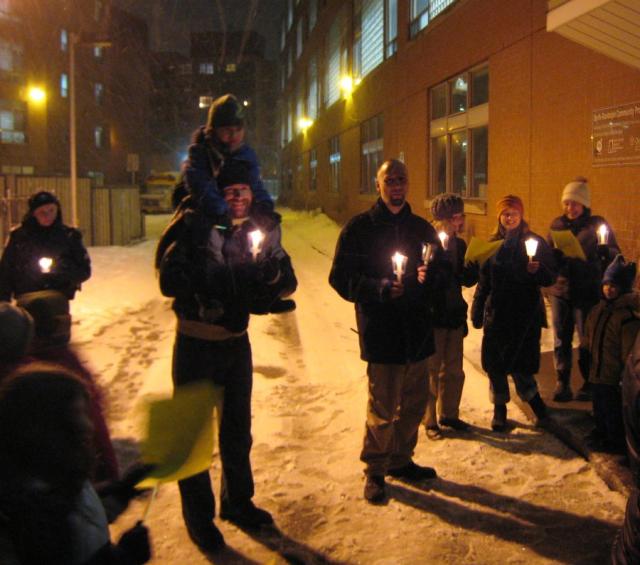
45 264
532 246
256 238
427 252
603 235
399 262
444 238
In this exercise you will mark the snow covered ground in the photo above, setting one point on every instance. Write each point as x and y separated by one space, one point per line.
521 497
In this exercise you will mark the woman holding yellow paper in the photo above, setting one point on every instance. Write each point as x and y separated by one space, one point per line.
508 305
584 245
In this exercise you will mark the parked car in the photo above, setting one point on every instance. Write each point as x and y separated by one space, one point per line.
155 197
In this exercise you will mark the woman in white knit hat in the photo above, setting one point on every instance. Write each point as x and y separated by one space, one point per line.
577 289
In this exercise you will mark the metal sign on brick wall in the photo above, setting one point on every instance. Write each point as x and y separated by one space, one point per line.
616 135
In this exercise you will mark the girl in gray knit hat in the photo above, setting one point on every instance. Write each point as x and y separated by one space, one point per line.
577 288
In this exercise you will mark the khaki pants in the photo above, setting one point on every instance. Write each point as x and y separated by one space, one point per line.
397 401
446 376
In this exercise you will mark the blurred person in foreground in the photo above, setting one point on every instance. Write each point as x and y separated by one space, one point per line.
577 288
49 310
49 511
626 548
43 253
610 330
508 305
446 375
394 325
217 277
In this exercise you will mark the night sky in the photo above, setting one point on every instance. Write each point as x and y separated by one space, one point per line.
177 18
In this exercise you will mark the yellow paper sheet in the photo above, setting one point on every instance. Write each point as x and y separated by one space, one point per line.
480 250
180 433
566 242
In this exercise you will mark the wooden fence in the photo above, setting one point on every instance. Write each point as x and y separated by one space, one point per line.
107 215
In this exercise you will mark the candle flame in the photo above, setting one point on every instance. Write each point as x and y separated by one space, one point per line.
603 232
45 264
532 246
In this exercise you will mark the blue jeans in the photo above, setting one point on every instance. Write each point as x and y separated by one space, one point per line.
526 387
565 317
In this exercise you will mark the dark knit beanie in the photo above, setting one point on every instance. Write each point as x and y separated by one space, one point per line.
509 201
225 111
445 206
16 331
41 198
234 171
620 273
50 312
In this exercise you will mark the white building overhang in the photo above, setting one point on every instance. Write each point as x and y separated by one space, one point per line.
610 27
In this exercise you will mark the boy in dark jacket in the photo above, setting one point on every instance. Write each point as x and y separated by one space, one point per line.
610 332
216 281
446 376
222 139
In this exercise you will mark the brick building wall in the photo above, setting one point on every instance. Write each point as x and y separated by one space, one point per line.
543 89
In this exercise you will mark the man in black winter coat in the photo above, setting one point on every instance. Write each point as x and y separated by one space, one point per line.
217 276
392 315
43 253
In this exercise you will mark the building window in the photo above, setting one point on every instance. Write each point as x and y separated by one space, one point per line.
313 14
12 123
98 137
459 129
10 57
312 93
98 93
98 10
300 102
230 68
334 163
299 37
332 70
5 8
370 21
205 101
64 40
206 68
424 11
98 52
289 14
313 170
64 85
372 145
391 27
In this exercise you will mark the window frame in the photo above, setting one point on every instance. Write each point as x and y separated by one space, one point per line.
455 122
371 152
335 158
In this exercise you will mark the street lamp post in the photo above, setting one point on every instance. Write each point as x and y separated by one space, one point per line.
74 40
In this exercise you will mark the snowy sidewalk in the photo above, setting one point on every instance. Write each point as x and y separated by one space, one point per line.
521 497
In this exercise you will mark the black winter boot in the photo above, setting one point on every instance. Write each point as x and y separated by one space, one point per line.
539 409
499 422
562 392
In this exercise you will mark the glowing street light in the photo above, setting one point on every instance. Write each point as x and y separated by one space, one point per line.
36 94
346 85
305 123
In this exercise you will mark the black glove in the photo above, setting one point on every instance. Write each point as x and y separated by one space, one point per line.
134 547
115 496
269 270
281 306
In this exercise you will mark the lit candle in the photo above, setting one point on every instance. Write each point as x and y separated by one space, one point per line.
256 238
444 238
603 234
45 264
427 252
532 246
399 262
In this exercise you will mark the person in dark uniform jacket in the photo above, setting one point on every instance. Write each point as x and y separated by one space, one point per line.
42 253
